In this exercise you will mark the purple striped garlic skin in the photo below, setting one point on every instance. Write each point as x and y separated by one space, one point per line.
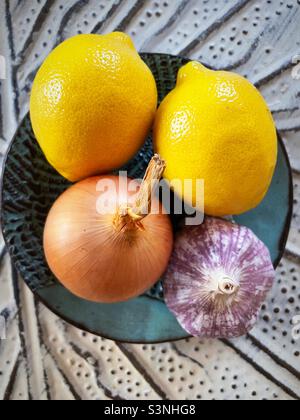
218 278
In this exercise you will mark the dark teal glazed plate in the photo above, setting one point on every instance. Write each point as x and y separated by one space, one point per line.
29 188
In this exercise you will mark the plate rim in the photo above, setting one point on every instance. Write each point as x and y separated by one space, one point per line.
14 261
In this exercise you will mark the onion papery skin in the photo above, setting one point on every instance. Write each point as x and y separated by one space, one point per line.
92 258
205 255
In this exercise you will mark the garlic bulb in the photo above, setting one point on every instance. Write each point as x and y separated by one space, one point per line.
217 279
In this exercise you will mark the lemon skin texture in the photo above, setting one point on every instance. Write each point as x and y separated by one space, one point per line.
216 126
92 104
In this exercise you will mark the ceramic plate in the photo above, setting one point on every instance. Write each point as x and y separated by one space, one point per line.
29 188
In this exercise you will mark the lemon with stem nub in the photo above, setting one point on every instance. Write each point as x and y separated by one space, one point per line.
216 126
92 104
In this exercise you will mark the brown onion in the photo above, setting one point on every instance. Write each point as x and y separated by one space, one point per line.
114 256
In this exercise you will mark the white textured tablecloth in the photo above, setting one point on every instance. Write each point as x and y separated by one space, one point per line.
45 358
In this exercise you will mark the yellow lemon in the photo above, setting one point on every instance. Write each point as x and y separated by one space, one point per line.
92 104
215 126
